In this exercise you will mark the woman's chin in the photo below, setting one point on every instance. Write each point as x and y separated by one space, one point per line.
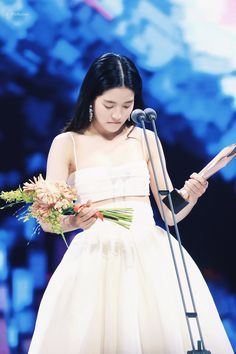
109 129
114 127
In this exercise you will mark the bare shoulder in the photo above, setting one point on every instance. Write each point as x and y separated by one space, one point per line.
149 132
60 157
151 140
63 141
63 138
62 145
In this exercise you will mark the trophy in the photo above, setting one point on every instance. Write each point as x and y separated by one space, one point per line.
217 163
220 160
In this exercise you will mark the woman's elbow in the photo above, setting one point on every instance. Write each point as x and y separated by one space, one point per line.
169 219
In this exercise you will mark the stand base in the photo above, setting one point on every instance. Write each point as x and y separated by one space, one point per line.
199 350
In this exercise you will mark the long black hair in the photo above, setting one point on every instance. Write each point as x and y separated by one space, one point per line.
106 72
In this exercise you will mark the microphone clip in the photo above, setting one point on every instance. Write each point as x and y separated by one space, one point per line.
178 201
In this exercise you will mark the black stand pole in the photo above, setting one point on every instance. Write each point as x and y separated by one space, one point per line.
139 116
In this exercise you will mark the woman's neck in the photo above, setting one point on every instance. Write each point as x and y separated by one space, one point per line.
93 129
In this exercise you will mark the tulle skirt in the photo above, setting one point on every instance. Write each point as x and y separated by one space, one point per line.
116 292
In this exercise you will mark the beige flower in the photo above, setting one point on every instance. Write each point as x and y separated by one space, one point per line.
39 211
53 193
32 185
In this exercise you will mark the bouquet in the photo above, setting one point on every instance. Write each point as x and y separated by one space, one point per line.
48 202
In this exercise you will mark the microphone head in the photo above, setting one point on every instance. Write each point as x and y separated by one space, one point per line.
151 114
138 115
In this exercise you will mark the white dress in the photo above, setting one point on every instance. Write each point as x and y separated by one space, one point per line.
115 290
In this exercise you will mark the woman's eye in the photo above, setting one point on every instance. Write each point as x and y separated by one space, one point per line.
110 107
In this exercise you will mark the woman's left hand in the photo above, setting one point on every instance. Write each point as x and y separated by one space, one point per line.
194 188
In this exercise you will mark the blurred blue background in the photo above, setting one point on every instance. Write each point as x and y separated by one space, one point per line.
185 51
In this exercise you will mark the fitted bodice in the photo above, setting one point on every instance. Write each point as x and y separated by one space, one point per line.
106 182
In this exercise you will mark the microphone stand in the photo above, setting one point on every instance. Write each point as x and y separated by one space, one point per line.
139 116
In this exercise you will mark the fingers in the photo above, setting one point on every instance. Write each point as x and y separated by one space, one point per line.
88 223
86 213
195 186
200 183
200 179
86 217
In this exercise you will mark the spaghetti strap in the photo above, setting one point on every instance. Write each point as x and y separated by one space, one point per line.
144 148
74 148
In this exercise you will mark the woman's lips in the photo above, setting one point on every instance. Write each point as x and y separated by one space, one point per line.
114 122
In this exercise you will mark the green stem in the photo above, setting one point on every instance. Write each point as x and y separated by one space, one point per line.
118 216
127 226
64 239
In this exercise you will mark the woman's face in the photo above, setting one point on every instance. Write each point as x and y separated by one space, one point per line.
112 109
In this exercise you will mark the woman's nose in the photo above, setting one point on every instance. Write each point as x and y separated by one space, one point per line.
116 114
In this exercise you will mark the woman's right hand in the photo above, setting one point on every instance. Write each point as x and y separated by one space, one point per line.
85 218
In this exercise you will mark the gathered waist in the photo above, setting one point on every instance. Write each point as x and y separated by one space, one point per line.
135 204
106 232
141 210
123 200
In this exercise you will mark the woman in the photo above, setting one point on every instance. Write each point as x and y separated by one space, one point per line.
115 290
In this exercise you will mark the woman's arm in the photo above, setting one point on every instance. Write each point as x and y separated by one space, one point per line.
192 190
60 158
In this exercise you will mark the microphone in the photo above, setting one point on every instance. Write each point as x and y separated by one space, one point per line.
175 202
138 116
151 114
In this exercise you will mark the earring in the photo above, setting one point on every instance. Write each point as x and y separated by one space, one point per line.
90 113
128 119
